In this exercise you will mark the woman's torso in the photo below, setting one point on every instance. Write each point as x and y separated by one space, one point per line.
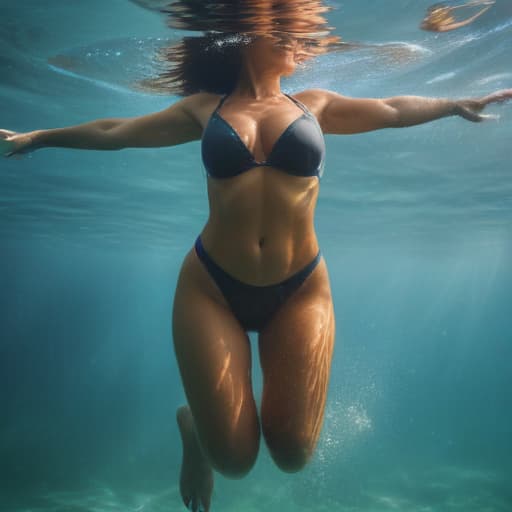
260 227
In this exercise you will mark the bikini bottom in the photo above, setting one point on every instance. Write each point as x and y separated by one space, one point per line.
253 306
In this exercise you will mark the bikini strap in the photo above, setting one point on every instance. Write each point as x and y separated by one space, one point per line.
298 103
291 98
221 102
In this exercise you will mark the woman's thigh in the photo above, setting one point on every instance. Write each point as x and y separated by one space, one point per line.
295 352
214 359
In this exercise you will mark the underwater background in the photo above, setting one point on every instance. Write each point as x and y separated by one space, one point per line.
415 225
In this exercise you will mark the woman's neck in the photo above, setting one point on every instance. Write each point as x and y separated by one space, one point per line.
257 84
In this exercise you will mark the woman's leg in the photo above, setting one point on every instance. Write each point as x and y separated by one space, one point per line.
295 352
221 428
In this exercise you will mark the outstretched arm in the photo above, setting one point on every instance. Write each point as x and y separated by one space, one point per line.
174 125
343 115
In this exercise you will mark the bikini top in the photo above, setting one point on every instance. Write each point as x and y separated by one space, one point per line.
299 150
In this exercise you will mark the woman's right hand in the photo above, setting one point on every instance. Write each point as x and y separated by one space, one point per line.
13 143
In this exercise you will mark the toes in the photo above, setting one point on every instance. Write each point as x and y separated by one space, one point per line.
204 506
192 505
196 505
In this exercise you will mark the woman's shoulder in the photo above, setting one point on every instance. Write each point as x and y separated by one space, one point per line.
200 100
314 99
200 105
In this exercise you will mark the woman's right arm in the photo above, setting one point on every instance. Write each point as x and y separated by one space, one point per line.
175 125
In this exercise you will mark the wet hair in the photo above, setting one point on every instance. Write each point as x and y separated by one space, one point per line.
211 62
208 63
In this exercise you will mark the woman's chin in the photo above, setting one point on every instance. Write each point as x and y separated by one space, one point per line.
288 71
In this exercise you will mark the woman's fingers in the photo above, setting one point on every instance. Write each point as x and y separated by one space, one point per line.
13 143
472 114
489 117
4 134
6 147
470 109
498 96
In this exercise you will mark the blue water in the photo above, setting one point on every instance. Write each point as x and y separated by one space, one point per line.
415 225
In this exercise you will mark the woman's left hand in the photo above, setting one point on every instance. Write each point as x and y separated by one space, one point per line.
470 109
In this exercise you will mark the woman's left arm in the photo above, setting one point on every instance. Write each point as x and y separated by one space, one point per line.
344 115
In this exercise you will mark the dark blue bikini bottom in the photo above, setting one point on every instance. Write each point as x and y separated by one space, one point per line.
253 306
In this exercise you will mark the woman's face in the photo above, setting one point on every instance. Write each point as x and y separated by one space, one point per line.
276 54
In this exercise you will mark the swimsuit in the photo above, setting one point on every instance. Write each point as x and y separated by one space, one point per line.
298 151
253 306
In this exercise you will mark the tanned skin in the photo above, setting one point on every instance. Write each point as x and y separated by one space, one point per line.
260 230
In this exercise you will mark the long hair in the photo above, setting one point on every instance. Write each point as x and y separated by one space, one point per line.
211 62
208 63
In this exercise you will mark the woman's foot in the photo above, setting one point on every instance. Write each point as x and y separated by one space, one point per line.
196 477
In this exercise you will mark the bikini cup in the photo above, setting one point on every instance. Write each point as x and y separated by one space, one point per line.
299 150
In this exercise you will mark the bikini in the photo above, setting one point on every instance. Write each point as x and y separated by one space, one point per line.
298 151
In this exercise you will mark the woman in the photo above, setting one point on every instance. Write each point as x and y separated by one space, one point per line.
256 264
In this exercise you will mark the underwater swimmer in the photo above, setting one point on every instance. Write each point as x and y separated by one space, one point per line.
256 265
440 19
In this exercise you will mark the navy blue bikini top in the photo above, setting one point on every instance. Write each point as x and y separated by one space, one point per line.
299 150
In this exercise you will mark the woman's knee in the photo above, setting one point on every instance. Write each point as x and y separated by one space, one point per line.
233 460
291 451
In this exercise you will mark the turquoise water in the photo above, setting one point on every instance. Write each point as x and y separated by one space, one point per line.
415 225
